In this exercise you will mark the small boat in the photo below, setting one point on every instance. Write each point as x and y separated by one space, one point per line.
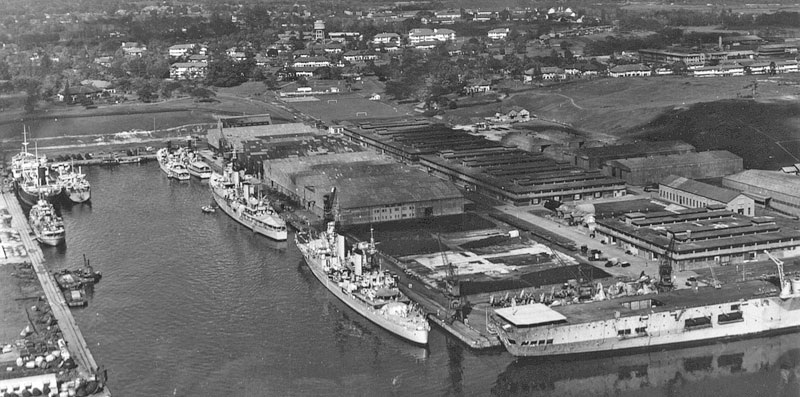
75 297
208 209
130 160
200 169
178 171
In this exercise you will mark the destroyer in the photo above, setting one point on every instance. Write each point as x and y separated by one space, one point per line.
676 317
359 283
235 200
48 227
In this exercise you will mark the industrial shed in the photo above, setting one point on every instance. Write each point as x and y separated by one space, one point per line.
694 194
644 170
774 189
595 157
369 188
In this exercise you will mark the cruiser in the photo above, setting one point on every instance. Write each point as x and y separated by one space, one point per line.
48 227
358 282
692 315
232 197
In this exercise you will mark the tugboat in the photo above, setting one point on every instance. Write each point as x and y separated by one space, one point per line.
73 283
48 227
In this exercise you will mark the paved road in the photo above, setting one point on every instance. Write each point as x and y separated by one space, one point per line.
638 264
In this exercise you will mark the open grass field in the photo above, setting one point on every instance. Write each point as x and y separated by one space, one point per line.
764 134
609 108
348 106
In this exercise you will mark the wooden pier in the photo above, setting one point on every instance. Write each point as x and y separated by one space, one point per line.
76 344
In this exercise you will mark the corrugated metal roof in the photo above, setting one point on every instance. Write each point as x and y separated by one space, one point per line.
775 181
637 163
719 194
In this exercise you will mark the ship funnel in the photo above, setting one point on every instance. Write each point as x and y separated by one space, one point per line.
42 176
340 247
786 290
796 285
358 264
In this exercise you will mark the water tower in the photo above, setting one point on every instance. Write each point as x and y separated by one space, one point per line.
319 29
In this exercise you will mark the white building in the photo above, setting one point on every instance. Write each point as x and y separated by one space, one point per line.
188 70
386 38
422 35
179 50
499 34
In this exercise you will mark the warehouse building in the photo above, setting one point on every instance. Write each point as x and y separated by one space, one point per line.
696 238
477 164
595 157
775 190
362 187
640 171
694 194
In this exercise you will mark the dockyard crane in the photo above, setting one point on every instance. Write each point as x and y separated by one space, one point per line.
453 288
785 289
665 268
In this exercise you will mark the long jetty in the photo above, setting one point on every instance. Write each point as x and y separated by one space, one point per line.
72 335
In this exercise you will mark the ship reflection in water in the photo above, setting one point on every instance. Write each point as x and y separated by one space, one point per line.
349 330
758 366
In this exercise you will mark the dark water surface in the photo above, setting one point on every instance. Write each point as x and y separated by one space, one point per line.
194 304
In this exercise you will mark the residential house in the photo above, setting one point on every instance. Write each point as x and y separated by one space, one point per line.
79 94
359 56
104 61
188 70
198 58
342 37
310 62
421 35
445 15
483 16
553 73
135 49
179 50
478 86
518 114
633 70
499 33
386 38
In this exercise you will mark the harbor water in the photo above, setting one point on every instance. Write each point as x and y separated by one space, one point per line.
193 304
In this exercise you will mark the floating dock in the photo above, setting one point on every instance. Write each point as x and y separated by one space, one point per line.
72 335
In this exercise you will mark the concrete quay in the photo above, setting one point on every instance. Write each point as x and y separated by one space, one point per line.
76 344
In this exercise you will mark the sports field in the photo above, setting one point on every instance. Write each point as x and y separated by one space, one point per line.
347 106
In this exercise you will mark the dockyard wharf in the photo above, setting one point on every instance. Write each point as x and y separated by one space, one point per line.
72 335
